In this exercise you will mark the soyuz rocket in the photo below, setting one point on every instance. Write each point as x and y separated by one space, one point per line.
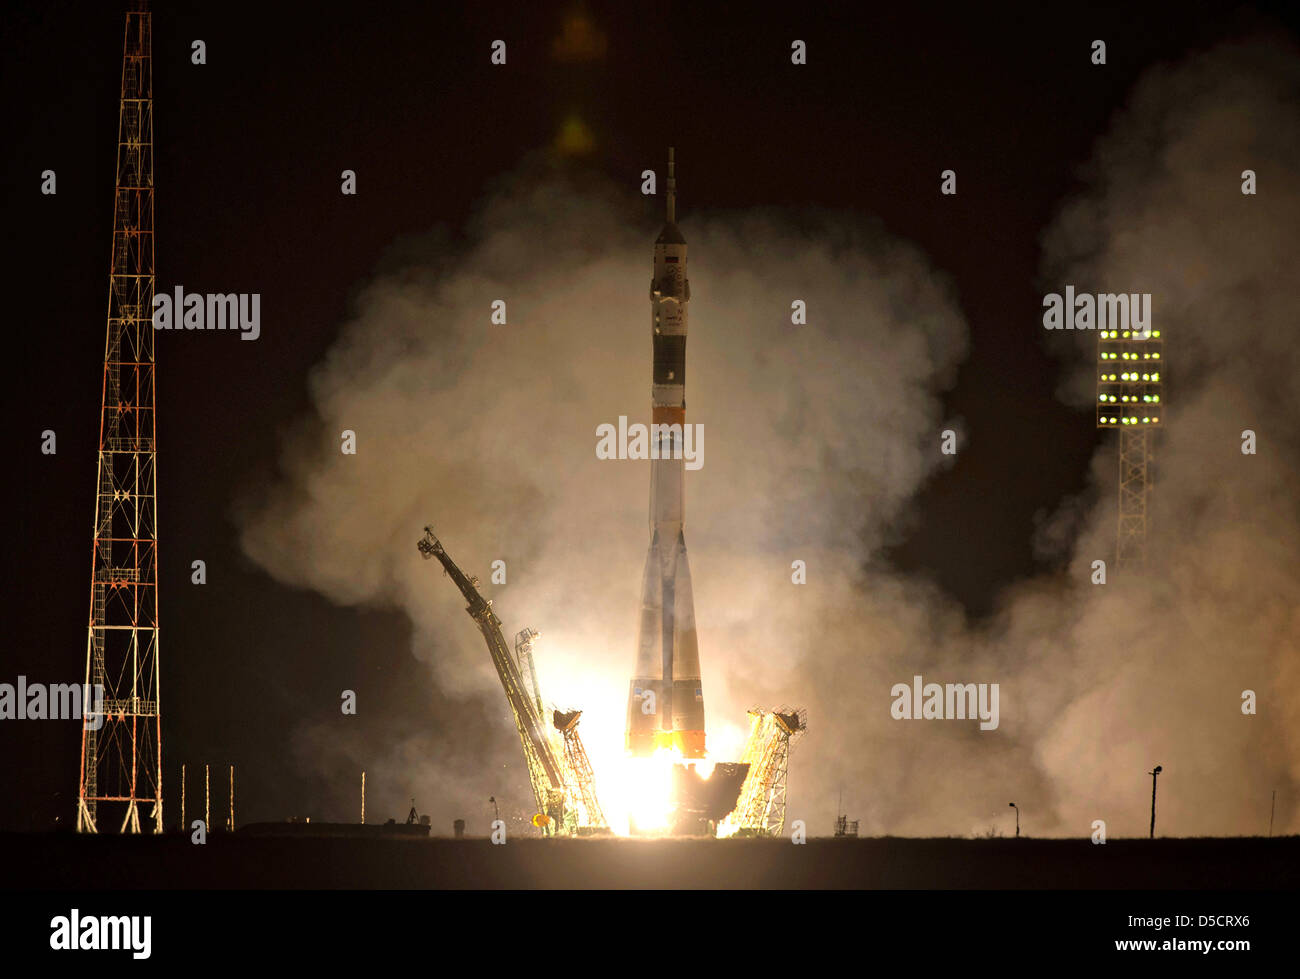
665 706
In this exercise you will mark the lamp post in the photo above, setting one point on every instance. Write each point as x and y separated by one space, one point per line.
1155 774
1017 809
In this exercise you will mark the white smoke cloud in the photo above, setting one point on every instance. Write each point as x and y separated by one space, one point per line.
488 433
817 437
1158 663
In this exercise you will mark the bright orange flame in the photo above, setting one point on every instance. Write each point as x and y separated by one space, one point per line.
632 791
640 790
650 796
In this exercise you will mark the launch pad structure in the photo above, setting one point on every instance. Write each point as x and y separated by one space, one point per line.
558 769
760 811
665 707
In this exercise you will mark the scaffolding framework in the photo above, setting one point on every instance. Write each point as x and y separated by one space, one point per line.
582 812
579 775
1134 489
545 770
121 748
760 810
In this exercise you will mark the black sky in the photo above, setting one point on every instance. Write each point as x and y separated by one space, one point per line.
249 148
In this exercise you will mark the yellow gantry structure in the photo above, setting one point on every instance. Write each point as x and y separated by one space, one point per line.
543 766
558 769
583 813
760 810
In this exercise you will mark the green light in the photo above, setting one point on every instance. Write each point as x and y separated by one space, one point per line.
1155 397
1156 334
1156 356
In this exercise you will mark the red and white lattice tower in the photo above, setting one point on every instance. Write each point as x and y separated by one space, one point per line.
121 745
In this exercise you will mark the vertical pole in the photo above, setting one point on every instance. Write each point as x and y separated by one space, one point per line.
231 827
363 798
207 798
1154 776
182 797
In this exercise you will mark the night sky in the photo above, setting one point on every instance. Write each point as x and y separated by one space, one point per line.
248 151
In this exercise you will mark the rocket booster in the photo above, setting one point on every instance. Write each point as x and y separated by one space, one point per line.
665 707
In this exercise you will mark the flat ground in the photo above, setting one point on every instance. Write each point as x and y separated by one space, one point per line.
65 861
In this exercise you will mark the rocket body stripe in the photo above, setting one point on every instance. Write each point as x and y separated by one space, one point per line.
668 659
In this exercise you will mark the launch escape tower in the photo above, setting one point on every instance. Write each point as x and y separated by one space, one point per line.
121 746
1130 368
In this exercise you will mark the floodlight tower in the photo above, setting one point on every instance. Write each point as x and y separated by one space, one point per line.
1130 397
121 743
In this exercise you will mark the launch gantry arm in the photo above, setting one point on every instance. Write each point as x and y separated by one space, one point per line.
544 768
760 810
579 779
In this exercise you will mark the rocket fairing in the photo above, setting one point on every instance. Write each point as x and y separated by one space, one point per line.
665 707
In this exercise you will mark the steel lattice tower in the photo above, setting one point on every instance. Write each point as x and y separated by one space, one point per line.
760 808
1130 392
1134 487
121 749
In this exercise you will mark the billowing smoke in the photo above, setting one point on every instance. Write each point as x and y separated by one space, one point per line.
1156 665
816 439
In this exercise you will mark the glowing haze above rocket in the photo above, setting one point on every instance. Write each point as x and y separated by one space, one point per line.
665 708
